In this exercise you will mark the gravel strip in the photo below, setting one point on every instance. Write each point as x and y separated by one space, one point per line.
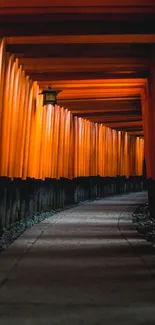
10 234
143 222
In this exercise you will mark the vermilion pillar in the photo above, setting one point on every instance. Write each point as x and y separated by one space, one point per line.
148 109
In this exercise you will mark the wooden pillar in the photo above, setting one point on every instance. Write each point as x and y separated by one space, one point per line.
148 110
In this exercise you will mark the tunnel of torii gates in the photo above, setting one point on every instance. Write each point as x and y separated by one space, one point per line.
106 108
49 141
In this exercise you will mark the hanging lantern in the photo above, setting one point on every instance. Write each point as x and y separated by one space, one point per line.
50 96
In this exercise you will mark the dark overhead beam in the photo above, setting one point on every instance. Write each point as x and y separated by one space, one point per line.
136 115
41 76
80 50
106 113
125 127
127 124
78 61
75 27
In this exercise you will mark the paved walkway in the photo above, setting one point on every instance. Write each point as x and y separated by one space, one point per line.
86 265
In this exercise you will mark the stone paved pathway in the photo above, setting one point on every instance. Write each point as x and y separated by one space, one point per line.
86 265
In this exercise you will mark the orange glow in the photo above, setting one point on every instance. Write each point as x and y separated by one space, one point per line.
48 141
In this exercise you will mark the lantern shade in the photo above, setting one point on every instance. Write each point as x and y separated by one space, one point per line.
50 96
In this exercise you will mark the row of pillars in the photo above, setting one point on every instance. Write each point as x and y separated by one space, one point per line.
148 112
23 199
